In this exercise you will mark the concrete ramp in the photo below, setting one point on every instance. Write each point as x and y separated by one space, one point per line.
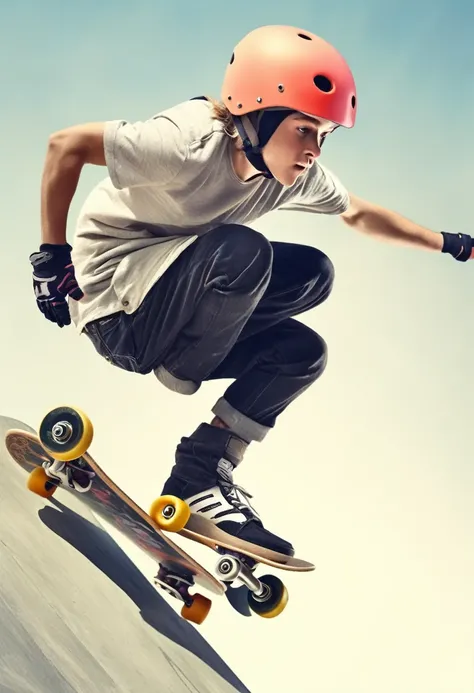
76 615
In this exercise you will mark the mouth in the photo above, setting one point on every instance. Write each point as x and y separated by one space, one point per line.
300 167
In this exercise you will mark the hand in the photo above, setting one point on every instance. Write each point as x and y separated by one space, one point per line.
53 280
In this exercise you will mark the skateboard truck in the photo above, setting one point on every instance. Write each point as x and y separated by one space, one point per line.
70 473
232 568
176 585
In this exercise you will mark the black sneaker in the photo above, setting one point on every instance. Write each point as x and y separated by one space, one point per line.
228 506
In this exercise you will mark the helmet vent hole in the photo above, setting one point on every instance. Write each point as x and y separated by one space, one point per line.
323 83
353 102
232 58
303 36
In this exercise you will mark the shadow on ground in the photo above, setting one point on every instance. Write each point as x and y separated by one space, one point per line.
69 625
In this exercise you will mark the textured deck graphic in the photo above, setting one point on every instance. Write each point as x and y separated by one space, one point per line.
66 591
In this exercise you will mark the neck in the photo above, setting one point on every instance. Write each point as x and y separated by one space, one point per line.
242 166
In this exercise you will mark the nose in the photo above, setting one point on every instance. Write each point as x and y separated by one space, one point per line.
313 152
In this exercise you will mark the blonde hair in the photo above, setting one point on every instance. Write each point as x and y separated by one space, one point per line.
221 113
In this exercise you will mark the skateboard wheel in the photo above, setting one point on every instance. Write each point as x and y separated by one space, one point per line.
198 610
170 513
39 482
228 568
273 602
66 433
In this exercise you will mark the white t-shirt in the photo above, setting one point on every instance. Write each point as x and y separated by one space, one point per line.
171 180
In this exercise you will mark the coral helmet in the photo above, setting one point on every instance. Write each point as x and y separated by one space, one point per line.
290 70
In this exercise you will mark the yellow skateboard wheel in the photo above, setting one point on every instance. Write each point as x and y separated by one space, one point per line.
170 513
198 610
66 433
273 603
39 482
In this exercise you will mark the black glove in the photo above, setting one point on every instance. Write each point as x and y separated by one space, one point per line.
459 245
53 280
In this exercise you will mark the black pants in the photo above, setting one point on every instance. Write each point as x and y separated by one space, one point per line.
225 309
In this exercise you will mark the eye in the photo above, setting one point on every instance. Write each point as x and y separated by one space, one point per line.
303 130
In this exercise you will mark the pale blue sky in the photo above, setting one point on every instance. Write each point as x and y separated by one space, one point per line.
377 456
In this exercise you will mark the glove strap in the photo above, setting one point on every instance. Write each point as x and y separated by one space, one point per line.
459 245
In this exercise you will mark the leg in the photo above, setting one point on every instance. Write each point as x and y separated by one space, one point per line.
302 278
276 358
271 365
270 370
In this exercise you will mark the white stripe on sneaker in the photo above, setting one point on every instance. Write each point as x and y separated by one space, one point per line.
214 506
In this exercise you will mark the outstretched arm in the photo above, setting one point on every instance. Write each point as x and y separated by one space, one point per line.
387 225
384 224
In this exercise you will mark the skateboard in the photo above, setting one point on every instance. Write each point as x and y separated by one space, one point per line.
65 435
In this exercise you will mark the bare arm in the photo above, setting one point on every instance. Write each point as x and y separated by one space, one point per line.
377 221
68 151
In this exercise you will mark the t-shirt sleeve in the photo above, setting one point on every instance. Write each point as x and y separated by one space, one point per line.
321 193
151 152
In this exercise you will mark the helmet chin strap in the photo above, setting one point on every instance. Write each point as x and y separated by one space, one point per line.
247 129
256 129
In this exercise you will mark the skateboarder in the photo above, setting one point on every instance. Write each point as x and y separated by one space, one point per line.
167 275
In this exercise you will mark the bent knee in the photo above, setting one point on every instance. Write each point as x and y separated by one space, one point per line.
312 351
244 256
326 267
301 349
320 269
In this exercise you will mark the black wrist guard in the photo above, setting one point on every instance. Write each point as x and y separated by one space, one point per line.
459 245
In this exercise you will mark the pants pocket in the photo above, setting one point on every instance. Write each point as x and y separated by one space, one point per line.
113 340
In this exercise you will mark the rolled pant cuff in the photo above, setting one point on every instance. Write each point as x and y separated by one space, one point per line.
241 425
183 387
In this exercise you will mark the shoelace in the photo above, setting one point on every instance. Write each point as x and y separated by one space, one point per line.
226 480
225 473
232 485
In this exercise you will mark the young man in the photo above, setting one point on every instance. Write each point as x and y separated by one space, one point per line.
170 277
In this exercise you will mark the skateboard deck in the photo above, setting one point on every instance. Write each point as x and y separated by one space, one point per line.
108 501
65 434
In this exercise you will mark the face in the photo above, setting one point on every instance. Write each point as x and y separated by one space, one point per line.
294 146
